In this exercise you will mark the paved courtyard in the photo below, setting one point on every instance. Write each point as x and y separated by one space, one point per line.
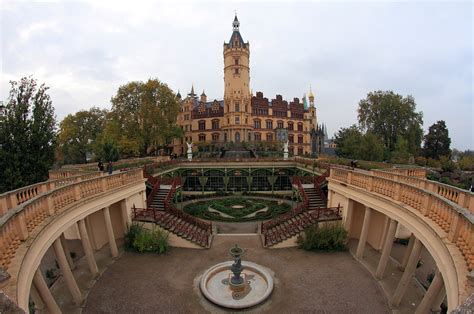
304 281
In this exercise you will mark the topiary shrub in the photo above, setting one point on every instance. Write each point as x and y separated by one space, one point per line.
327 238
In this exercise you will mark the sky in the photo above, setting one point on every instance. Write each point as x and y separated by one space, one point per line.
85 50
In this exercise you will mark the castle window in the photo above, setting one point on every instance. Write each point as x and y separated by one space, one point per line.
290 126
202 108
186 117
300 139
280 124
236 61
257 124
202 125
291 138
215 124
202 137
237 107
269 124
258 137
236 71
237 120
300 127
269 137
215 137
300 150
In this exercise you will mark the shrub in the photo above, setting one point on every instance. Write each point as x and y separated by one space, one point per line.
155 241
131 234
328 238
447 164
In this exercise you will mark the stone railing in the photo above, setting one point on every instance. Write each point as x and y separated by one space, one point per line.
17 223
12 199
456 195
455 221
63 173
411 172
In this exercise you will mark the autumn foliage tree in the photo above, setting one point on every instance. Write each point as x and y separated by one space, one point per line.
27 135
144 116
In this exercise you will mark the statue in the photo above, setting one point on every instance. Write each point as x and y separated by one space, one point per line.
285 150
190 151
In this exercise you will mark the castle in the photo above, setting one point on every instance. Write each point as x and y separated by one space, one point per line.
244 117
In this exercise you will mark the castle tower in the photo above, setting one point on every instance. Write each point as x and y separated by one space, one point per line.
237 124
312 110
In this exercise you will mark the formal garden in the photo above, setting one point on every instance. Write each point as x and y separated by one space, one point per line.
237 209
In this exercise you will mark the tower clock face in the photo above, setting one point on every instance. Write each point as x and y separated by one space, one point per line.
282 135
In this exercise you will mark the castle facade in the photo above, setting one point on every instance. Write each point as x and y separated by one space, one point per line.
243 117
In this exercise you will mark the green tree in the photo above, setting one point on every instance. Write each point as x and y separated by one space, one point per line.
401 153
27 135
79 132
371 148
146 114
348 141
437 142
107 150
388 116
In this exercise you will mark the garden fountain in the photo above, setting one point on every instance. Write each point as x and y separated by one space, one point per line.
236 284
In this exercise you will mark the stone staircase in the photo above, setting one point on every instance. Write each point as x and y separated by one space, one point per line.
280 231
315 200
158 201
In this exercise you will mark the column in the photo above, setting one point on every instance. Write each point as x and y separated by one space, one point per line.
67 273
86 244
35 296
110 232
45 293
407 274
431 294
126 220
387 248
408 250
349 215
67 252
436 308
364 233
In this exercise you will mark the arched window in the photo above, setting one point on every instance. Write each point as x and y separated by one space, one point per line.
215 124
269 124
300 127
258 137
257 124
290 126
237 107
280 124
237 137
291 138
300 139
269 137
202 137
215 137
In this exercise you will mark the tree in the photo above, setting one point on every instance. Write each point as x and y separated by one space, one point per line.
348 141
145 113
79 132
437 142
388 116
27 134
371 148
108 151
401 153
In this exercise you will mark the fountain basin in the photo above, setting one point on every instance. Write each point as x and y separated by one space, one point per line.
214 285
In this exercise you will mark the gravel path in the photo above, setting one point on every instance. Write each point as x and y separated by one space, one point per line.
304 282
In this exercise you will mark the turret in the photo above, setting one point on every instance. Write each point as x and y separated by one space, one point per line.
311 97
203 97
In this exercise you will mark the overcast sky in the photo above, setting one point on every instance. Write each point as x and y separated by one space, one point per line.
85 50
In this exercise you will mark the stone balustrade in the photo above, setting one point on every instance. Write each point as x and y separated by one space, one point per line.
411 172
18 222
456 195
455 222
12 199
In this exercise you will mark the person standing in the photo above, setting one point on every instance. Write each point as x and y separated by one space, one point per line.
100 166
109 167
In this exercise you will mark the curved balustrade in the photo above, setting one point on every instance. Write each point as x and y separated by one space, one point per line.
455 222
12 199
459 196
17 223
410 172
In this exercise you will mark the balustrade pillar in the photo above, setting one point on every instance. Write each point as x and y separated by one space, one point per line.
407 253
86 244
364 233
349 215
67 252
110 232
431 294
407 274
67 273
387 248
45 293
